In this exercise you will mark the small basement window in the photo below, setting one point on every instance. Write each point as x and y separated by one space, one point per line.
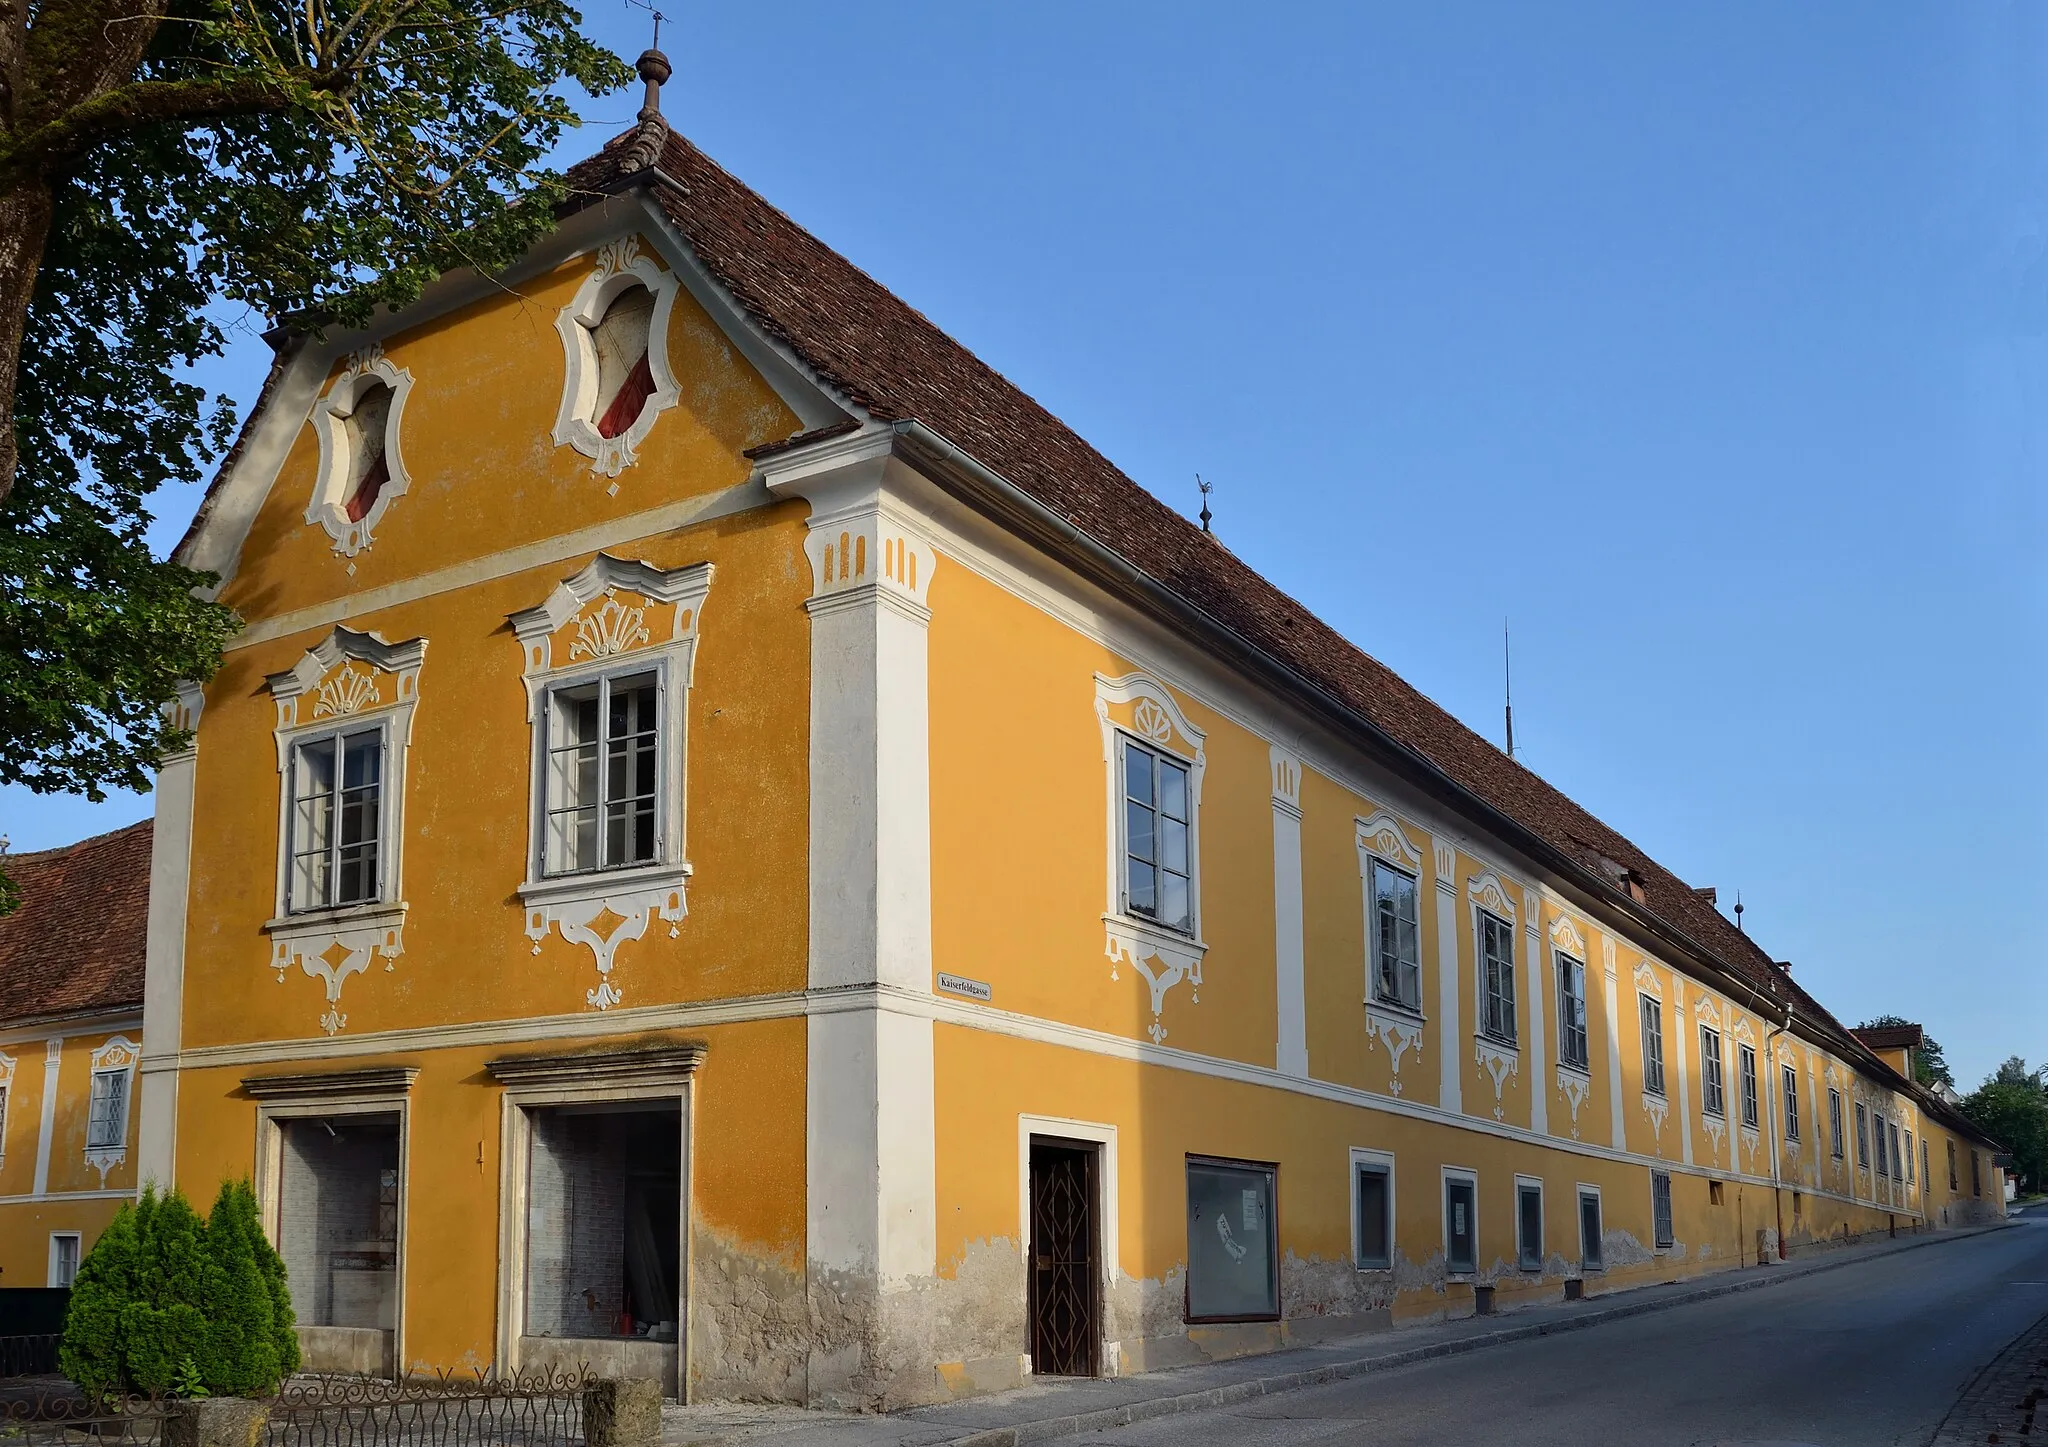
604 1221
625 376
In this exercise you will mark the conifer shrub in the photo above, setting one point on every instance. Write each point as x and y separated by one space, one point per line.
167 1303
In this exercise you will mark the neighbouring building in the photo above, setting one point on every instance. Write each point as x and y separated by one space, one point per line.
71 962
734 846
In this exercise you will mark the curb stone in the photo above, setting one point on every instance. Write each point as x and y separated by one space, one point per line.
1051 1428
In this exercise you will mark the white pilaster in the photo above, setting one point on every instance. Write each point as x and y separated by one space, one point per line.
53 1059
1534 974
1612 1005
163 989
1290 1055
1681 1032
1452 1053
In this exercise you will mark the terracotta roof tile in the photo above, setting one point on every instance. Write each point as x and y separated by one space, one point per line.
1892 1037
76 942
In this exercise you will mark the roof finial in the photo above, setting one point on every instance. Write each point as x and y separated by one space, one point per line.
654 69
652 133
1738 909
1206 488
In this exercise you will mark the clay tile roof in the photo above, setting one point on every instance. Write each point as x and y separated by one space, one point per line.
1892 1037
75 944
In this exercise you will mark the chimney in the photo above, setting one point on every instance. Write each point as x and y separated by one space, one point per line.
1785 965
1707 893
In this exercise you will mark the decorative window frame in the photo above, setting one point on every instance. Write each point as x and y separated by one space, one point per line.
1500 1059
1788 1085
583 630
621 265
1383 839
6 1099
117 1057
1749 1132
77 1257
1656 1103
324 692
329 505
1364 1158
1164 957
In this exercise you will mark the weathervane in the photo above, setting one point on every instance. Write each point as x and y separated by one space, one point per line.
1206 488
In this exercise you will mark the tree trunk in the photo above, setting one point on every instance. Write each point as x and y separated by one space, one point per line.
24 231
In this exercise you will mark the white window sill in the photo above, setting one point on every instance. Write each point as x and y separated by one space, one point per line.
1394 1010
595 882
380 915
1494 1042
1584 1072
1157 936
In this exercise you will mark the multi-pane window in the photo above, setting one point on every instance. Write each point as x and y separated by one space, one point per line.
1589 1230
1374 1181
1653 1044
1898 1157
3 1120
601 808
1713 1097
107 1116
1951 1165
1571 1011
1497 978
63 1258
1908 1158
1660 1208
1397 937
1835 1121
1461 1225
1157 853
1924 1173
1976 1181
1529 1225
336 820
1745 1067
1877 1129
1863 1136
1790 1080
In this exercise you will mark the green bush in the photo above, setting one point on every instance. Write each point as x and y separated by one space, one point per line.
166 1303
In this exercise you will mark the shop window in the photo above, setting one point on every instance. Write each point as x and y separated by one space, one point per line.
1660 1209
1591 1257
338 1218
1233 1250
1373 1198
1529 1224
604 1211
1461 1223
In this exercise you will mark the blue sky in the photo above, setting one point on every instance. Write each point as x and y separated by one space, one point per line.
1710 345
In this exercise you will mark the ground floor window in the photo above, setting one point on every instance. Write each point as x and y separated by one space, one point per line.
63 1258
1373 1193
1660 1209
1529 1224
1461 1222
1589 1229
604 1220
338 1218
1233 1250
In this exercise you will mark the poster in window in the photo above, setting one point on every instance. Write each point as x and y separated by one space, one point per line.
1231 1266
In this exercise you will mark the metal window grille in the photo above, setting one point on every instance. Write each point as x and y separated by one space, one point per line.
1745 1065
1653 1044
601 782
1835 1120
335 825
1375 1217
1529 1225
1497 977
1589 1231
107 1116
1158 844
1713 1095
1571 1011
1660 1208
1397 938
1791 1080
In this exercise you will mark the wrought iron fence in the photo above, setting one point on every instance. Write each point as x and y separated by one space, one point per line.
452 1410
29 1356
62 1416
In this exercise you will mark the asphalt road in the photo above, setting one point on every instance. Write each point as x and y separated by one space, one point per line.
1874 1353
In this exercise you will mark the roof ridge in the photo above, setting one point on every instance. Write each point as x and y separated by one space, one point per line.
58 850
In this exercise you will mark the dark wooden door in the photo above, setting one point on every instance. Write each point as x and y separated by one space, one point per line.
1066 1302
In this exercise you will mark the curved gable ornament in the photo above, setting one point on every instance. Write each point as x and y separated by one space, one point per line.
329 507
620 267
1565 935
1487 892
1383 835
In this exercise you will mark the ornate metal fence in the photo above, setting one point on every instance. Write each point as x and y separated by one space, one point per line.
455 1410
38 1416
29 1356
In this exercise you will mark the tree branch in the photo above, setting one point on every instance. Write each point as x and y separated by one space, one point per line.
148 102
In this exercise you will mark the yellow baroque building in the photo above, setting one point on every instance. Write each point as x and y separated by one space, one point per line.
71 981
735 847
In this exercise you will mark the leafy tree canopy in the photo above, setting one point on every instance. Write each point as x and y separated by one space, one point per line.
1929 1066
162 166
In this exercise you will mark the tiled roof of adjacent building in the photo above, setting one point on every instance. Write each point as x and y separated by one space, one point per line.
75 944
1891 1037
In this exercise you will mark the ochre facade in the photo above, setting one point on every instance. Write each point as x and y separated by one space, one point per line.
879 938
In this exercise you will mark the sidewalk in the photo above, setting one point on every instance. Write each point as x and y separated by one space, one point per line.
1062 1407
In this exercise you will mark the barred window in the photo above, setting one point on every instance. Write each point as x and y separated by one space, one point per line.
1497 978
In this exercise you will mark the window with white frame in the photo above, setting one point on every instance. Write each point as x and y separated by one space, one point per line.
1713 1095
1951 1159
3 1121
1862 1135
1591 1257
1497 978
107 1111
1461 1222
1158 838
1877 1124
1528 1223
1898 1159
1790 1080
1571 1012
64 1254
1653 1043
1745 1068
335 826
1397 937
601 783
1660 1209
1835 1122
1908 1158
1372 1198
1925 1173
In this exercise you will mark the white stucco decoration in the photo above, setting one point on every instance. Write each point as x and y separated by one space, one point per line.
1397 1031
1565 935
1386 836
6 1098
118 1055
1486 892
1574 1086
329 506
620 267
1162 956
1500 1062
